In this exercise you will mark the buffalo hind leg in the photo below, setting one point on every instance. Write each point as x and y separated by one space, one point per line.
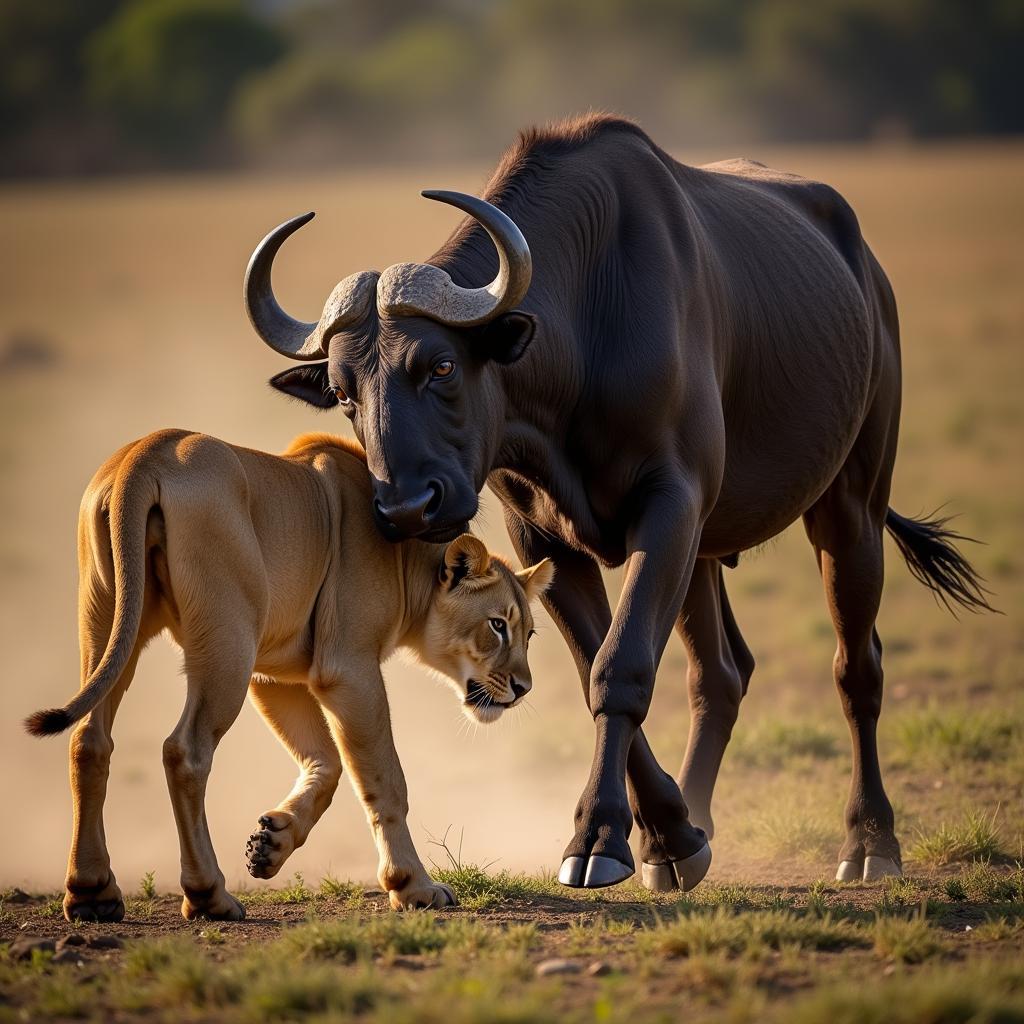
720 666
218 677
578 603
847 537
297 719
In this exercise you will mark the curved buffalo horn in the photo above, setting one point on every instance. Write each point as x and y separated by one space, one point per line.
419 289
294 338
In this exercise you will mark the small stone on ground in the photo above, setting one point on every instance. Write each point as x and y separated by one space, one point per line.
550 967
23 948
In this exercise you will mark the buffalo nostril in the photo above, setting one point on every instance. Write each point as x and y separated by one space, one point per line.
436 489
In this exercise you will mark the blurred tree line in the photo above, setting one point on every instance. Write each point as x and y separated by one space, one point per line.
99 85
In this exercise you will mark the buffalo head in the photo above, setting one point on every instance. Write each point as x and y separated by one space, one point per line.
410 359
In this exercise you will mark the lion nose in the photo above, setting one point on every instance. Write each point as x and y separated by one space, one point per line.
413 515
520 689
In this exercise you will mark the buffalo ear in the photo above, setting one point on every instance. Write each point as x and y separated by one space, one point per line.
507 338
308 384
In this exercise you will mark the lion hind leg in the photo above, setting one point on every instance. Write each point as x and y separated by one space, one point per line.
91 890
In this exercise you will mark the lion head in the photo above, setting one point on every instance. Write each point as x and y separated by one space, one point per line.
478 626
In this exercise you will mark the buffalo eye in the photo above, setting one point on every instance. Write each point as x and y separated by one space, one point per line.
341 395
443 370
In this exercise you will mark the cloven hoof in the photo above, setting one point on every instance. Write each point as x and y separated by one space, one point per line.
873 869
683 874
594 872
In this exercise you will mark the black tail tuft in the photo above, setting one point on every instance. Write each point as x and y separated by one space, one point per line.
932 556
48 723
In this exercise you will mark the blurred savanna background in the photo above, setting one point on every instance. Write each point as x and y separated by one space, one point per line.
147 145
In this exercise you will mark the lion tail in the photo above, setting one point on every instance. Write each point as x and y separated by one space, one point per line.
134 494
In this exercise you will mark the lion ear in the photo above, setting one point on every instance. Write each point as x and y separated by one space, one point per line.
536 579
466 557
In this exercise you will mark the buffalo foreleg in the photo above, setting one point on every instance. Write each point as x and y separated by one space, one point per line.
619 687
578 603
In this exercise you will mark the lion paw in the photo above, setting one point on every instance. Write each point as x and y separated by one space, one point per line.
215 904
270 845
84 902
426 895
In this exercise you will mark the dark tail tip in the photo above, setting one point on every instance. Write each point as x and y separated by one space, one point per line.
933 558
48 723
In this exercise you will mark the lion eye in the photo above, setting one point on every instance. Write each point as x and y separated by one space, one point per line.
341 395
443 370
499 626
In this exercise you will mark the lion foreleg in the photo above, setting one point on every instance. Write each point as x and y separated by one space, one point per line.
298 722
357 712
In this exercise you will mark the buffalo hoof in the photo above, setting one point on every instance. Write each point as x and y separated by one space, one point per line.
594 872
850 871
880 867
685 874
871 870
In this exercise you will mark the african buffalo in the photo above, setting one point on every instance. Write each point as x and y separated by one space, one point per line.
682 362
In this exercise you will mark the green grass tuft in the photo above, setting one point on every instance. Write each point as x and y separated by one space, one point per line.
947 739
985 994
984 883
906 940
349 938
975 838
955 889
477 888
283 994
595 934
752 933
53 907
147 887
296 891
999 929
335 889
899 893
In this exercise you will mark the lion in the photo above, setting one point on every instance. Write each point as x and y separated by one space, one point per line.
270 574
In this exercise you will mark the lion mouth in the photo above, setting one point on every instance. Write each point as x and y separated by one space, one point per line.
478 696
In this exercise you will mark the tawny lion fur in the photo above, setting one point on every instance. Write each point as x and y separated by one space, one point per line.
269 573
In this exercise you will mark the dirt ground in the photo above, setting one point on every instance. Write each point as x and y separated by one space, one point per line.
522 951
120 313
